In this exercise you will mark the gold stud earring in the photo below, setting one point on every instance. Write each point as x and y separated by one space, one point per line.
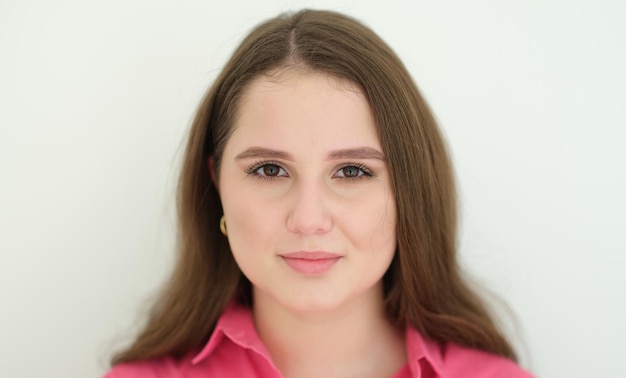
223 226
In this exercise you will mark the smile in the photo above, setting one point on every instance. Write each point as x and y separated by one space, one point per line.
311 263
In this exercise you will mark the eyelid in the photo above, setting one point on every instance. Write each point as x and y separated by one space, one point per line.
252 170
366 171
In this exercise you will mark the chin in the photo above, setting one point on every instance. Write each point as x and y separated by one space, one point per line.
310 304
313 307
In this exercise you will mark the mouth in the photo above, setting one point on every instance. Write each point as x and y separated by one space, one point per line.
311 263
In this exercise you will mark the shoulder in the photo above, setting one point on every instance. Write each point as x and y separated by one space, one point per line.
451 360
233 350
461 361
154 368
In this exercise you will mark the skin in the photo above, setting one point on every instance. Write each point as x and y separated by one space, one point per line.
304 171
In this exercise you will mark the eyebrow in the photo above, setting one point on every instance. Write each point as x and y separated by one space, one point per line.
357 153
265 153
347 153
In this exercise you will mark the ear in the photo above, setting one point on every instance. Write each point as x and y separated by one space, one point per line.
211 166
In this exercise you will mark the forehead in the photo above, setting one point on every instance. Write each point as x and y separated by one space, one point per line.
296 81
296 75
290 106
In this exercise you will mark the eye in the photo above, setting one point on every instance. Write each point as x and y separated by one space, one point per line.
267 170
353 172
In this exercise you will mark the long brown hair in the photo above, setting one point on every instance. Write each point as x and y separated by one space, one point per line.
424 286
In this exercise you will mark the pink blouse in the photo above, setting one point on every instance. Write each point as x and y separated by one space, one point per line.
235 350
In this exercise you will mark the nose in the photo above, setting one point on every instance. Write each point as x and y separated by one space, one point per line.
309 213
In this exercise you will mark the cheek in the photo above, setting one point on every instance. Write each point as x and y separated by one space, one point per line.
252 227
384 240
380 221
372 231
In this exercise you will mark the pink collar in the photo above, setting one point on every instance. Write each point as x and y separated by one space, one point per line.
236 324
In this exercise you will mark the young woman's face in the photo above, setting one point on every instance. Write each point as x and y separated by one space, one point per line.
306 194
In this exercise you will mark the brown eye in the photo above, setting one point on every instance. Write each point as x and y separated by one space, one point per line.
270 170
353 172
350 171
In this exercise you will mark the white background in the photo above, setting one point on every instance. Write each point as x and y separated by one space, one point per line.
95 99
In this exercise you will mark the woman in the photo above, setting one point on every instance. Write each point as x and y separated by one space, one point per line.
317 224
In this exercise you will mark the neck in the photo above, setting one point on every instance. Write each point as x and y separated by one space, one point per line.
355 340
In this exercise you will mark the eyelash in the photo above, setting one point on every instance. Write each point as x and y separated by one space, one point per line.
253 171
367 173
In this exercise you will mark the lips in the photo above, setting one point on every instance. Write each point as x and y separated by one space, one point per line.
311 263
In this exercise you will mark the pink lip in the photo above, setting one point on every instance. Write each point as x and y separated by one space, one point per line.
311 263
